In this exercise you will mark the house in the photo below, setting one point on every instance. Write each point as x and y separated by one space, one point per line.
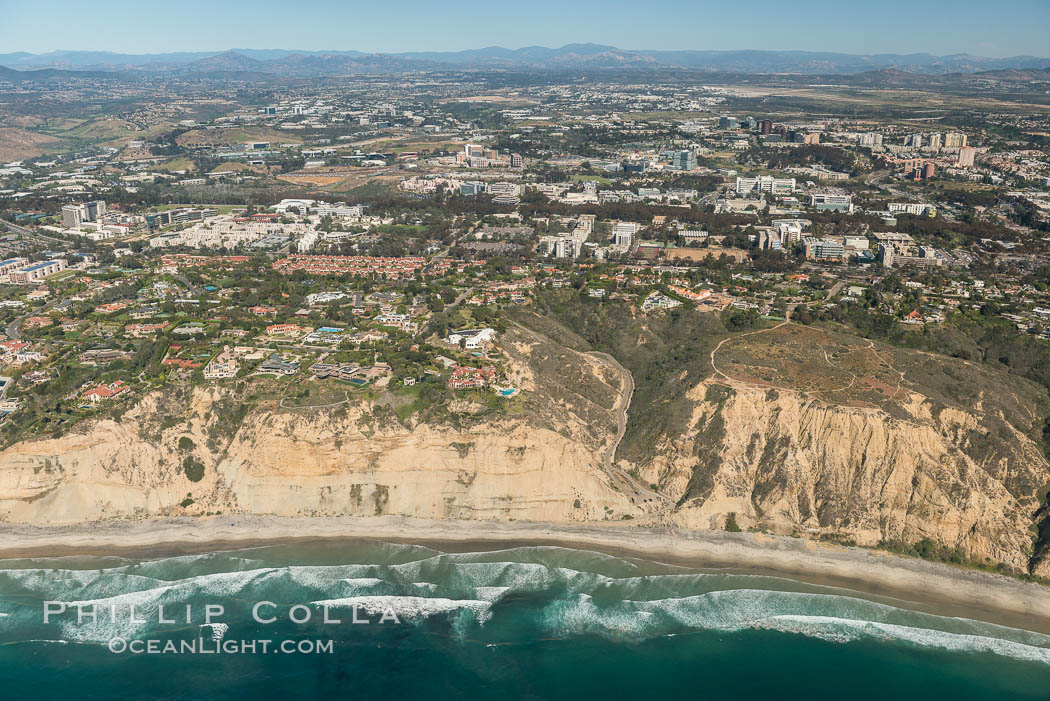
338 371
915 317
391 319
264 311
471 338
190 328
659 301
27 356
221 368
139 330
111 308
103 356
104 392
470 378
276 365
291 330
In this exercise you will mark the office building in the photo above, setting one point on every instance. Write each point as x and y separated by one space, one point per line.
918 209
892 254
683 160
769 241
765 183
823 202
823 249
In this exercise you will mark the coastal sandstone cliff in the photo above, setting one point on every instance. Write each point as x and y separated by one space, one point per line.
784 462
541 460
964 475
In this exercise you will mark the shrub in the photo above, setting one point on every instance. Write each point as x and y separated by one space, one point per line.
193 468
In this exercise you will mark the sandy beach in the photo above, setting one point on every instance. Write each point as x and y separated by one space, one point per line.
914 583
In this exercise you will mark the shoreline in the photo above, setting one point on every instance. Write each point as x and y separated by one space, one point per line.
910 582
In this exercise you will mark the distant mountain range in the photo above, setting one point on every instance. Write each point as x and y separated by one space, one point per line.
287 63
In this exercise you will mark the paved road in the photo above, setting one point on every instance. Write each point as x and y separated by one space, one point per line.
14 329
836 288
193 289
15 227
29 233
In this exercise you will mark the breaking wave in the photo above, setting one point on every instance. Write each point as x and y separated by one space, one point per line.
541 591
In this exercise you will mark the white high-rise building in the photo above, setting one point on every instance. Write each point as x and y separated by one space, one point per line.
870 139
73 215
623 233
765 183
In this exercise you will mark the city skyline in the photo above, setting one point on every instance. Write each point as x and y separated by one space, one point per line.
935 27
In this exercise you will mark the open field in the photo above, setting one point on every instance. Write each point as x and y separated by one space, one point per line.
234 135
180 163
328 176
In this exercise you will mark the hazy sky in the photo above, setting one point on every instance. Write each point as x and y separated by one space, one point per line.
1002 28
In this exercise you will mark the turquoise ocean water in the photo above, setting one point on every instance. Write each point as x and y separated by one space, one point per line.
526 622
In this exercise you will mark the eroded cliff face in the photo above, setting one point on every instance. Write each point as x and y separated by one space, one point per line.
308 463
782 461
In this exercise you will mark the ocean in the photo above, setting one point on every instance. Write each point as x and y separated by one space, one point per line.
525 622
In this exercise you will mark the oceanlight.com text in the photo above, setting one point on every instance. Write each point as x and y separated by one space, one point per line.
202 646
